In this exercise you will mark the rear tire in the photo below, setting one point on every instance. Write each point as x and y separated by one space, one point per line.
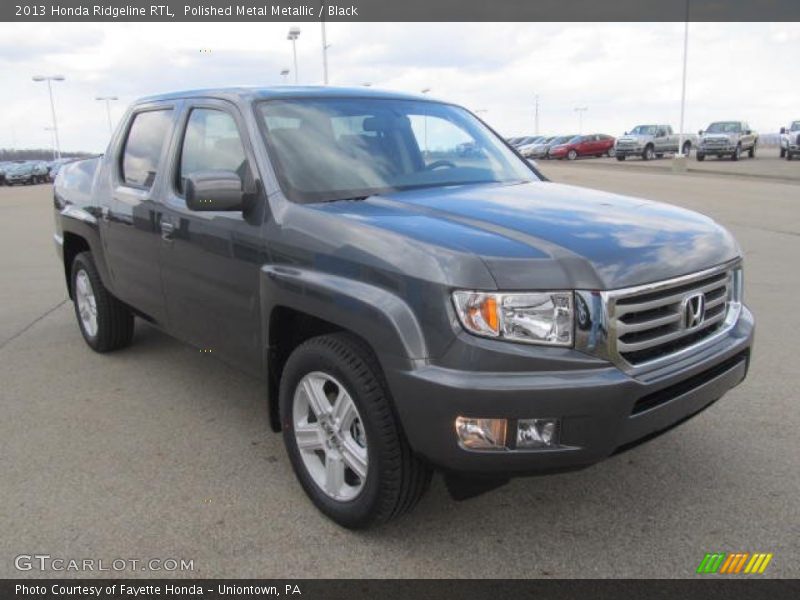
389 479
612 152
783 152
105 323
687 148
700 157
789 155
647 154
752 152
572 155
620 158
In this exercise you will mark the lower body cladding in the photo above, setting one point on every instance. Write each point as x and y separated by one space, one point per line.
586 414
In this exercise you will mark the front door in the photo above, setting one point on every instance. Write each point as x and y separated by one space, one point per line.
211 261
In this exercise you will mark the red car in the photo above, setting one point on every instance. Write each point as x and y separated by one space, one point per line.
595 144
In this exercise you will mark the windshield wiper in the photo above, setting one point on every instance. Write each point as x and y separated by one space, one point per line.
350 199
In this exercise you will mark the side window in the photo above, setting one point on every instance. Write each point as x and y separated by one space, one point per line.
142 151
211 143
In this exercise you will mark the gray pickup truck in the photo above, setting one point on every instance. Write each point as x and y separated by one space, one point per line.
727 138
410 307
652 141
790 140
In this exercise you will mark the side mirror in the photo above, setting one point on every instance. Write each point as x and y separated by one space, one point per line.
214 190
747 132
626 133
783 130
700 132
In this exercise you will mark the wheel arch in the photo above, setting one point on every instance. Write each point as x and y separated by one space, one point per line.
299 304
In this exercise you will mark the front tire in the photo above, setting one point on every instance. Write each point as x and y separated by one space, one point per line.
737 154
572 155
342 437
783 152
648 153
752 152
620 157
700 156
105 323
687 149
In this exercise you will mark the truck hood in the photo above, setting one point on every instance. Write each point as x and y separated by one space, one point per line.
546 235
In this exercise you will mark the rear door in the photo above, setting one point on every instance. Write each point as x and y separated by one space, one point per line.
211 261
132 233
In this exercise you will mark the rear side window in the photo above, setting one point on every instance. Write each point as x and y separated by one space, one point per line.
146 138
211 143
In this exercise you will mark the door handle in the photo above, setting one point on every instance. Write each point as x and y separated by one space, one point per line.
167 229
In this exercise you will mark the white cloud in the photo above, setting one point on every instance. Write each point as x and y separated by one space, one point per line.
624 72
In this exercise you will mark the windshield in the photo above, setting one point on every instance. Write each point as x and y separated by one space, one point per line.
796 126
724 127
338 148
644 130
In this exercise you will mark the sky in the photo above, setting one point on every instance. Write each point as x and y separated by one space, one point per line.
624 73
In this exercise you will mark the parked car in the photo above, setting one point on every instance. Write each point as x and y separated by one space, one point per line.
21 173
727 138
524 141
406 314
595 144
652 141
531 150
3 168
790 140
543 150
41 172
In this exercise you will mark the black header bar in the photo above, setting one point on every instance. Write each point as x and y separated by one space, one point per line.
399 10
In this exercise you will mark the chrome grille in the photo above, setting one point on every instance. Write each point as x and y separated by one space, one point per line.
656 321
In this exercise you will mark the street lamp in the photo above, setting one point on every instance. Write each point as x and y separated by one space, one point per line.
425 91
325 46
580 110
536 114
284 74
49 79
294 33
52 139
108 100
367 84
683 86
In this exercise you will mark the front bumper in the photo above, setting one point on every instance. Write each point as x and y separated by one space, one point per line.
602 409
629 151
716 150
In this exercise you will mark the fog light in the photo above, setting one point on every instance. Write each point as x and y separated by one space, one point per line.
537 433
481 434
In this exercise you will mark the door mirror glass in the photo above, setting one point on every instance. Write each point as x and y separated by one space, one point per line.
783 129
700 132
747 132
214 190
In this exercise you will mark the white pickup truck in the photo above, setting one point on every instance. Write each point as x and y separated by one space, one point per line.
790 140
652 141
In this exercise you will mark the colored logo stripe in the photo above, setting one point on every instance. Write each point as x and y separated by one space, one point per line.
734 563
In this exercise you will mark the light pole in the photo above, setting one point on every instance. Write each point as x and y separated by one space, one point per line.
294 33
367 84
536 114
108 100
325 46
49 79
683 86
580 110
52 139
425 120
284 74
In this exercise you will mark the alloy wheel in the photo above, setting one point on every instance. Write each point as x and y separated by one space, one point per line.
330 436
87 303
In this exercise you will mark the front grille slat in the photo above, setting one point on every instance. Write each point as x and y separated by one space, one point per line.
663 339
650 323
625 308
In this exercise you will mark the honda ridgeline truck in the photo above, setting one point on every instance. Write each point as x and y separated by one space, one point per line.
411 308
652 141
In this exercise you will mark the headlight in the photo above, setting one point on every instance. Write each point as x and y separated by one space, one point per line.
533 318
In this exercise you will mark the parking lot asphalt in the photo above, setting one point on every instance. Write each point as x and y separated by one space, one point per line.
159 451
